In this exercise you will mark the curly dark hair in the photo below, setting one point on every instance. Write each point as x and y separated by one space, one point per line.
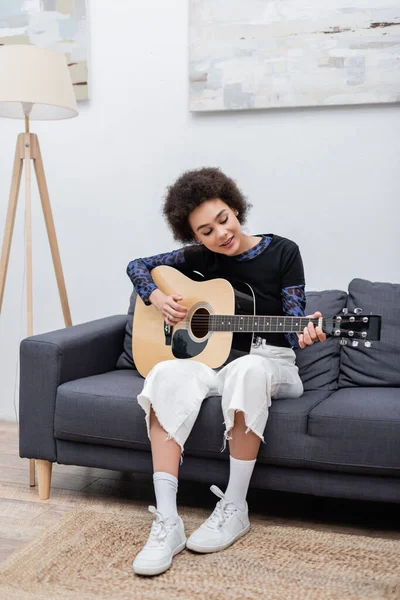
193 188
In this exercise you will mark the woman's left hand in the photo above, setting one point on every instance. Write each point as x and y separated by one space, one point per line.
311 334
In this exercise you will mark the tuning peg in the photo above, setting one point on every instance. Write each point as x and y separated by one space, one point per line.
343 342
358 311
354 343
367 344
345 311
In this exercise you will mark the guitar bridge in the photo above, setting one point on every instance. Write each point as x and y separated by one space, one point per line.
257 342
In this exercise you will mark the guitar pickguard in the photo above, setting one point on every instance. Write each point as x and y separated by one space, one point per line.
183 346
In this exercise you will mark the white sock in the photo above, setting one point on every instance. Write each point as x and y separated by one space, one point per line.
166 487
239 479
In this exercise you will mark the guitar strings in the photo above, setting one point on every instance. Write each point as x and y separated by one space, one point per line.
314 320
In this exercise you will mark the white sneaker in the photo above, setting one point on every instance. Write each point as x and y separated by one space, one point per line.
225 525
167 538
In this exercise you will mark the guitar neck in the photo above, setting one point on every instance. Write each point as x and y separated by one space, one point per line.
261 324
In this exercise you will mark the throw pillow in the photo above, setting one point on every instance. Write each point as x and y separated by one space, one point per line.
378 365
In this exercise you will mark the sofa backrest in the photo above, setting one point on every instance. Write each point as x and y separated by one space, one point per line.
379 365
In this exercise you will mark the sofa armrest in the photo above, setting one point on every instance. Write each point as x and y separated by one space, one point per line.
50 359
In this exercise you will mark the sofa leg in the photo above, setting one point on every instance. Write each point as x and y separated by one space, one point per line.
44 468
32 475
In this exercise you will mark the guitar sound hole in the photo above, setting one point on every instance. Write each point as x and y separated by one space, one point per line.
199 323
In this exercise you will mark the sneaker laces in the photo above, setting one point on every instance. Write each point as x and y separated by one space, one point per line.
223 510
160 528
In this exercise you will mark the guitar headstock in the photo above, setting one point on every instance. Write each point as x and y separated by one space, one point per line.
353 328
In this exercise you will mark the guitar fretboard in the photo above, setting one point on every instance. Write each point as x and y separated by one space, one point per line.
251 323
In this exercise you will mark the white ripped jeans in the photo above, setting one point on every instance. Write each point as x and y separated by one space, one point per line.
175 389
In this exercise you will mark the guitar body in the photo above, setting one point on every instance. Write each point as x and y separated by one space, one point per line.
189 339
221 316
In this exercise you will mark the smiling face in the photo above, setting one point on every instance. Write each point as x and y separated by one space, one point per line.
215 225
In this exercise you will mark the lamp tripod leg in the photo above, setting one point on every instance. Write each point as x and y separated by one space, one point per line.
51 232
11 211
55 253
28 234
28 244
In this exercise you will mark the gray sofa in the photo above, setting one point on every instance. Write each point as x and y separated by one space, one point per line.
340 439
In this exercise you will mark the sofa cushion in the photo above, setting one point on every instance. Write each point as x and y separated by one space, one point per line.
286 432
103 410
125 360
319 364
356 430
378 365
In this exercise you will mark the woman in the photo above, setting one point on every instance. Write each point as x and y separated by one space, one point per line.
205 209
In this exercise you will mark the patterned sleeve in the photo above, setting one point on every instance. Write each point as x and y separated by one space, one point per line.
293 304
139 269
293 288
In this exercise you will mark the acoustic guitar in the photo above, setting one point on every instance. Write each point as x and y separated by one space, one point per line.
220 317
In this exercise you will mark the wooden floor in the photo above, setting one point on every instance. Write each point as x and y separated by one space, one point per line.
23 516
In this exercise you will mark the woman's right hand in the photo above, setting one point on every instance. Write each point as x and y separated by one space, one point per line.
168 306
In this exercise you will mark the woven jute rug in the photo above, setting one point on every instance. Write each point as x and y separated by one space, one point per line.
88 554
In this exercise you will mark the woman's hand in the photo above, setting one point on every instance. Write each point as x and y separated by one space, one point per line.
311 334
168 306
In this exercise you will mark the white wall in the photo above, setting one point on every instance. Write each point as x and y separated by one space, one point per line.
328 178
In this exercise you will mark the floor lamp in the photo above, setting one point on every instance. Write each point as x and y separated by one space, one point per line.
35 84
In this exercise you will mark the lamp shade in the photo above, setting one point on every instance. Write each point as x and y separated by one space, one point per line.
36 82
